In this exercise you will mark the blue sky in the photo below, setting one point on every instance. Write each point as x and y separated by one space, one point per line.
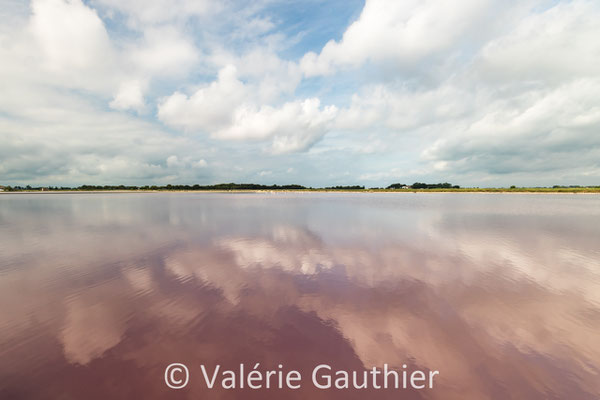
478 93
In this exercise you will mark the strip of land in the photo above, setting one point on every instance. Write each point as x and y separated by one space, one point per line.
244 187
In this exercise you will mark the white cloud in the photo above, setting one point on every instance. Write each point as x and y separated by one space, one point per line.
70 34
172 161
274 76
270 76
199 164
164 52
400 109
175 162
523 132
75 143
73 44
209 108
547 47
129 96
226 109
534 107
521 104
401 32
479 89
295 126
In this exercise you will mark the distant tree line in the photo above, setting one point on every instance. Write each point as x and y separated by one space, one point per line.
420 185
225 186
355 187
220 186
255 186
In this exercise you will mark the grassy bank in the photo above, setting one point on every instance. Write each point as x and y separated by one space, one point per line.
324 190
500 190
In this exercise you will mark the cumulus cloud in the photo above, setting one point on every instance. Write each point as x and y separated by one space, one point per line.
400 32
272 75
402 108
520 133
548 47
225 109
536 109
70 34
209 108
164 52
468 91
74 143
294 126
71 43
521 105
174 162
129 96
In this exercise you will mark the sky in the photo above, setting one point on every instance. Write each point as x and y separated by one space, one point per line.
313 92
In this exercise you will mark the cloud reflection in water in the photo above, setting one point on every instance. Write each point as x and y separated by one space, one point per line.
103 291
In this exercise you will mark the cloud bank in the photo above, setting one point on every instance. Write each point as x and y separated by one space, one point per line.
474 92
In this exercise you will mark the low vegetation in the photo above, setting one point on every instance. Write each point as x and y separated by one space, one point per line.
395 187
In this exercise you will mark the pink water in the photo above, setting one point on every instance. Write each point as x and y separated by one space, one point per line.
100 292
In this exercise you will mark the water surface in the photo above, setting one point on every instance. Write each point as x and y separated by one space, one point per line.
100 292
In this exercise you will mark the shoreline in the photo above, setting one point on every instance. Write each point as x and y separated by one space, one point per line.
405 191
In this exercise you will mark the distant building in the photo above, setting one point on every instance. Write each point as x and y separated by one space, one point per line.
1 188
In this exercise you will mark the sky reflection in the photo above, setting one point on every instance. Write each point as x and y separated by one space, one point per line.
499 293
